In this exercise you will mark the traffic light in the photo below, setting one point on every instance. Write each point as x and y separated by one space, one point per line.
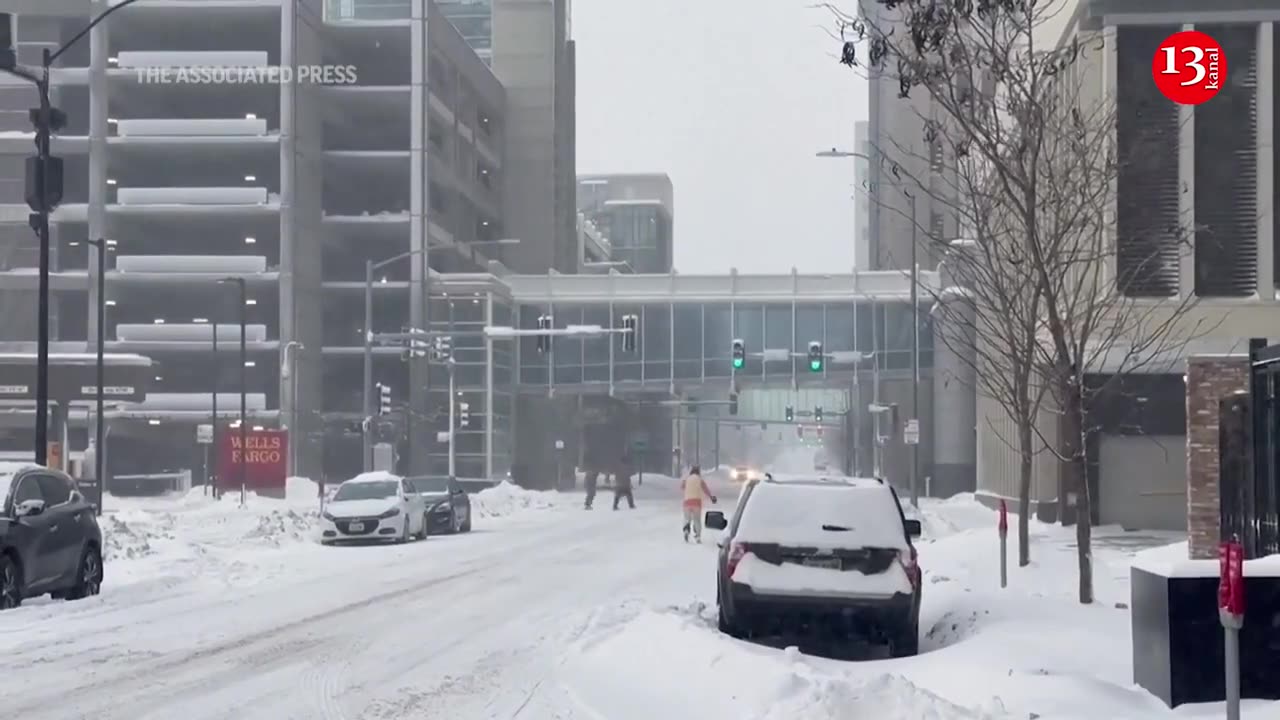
442 348
46 122
544 341
629 324
739 354
733 403
384 399
416 346
464 414
791 414
816 356
817 414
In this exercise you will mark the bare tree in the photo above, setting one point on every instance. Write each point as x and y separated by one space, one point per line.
1036 165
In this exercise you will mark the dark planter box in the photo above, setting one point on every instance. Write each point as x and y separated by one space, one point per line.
1178 643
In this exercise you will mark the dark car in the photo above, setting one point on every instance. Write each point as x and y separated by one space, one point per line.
829 557
448 505
49 537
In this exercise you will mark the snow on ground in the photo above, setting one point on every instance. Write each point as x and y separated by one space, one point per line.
550 612
1027 651
194 533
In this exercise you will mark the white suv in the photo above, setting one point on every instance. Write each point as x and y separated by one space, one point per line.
832 556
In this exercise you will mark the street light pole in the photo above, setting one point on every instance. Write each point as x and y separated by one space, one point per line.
289 371
212 472
244 384
453 430
915 353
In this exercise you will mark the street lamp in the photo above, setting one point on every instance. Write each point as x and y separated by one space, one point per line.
244 385
915 320
44 118
370 267
100 246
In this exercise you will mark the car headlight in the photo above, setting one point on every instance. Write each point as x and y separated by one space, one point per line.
390 513
441 507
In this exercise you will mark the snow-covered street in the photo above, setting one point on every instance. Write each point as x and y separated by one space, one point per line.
544 611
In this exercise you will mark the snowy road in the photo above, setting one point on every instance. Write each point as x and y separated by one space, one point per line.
459 627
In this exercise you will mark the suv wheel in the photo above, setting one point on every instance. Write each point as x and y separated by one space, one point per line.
906 642
724 623
88 577
10 586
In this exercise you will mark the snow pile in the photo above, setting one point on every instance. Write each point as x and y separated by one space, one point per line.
1026 651
181 534
508 498
674 660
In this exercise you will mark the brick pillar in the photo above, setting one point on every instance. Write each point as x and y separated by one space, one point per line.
1209 380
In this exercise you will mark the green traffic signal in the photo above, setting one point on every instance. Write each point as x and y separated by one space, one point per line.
738 363
815 365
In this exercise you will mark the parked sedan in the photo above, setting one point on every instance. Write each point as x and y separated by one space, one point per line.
49 537
374 506
448 505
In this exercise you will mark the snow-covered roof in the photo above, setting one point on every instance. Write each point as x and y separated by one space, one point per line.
375 476
829 512
13 467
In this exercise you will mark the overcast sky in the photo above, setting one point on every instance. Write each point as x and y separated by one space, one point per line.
731 98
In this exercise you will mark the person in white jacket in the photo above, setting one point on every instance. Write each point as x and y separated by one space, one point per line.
695 488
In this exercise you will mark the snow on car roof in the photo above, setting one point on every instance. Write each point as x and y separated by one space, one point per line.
9 470
813 513
375 476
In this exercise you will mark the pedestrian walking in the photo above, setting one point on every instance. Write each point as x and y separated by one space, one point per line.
695 488
589 480
622 484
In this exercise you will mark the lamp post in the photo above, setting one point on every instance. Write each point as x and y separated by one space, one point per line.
212 472
371 267
47 119
244 361
915 320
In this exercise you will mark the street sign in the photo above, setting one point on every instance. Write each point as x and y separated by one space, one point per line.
911 433
263 458
204 434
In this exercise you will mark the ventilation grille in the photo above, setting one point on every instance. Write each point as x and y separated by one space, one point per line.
1227 172
1147 223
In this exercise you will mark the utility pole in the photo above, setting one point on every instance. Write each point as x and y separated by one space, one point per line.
99 431
368 367
915 353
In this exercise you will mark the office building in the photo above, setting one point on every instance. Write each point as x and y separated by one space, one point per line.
636 213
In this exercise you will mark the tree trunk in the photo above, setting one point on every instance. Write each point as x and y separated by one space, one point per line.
1024 493
1078 480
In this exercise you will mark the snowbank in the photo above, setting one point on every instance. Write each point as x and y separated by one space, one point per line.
507 499
176 534
1026 651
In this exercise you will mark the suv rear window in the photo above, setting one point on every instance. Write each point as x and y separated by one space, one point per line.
811 515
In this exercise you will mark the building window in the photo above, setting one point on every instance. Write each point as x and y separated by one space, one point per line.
937 225
935 155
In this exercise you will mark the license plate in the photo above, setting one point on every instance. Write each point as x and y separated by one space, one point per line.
355 527
828 563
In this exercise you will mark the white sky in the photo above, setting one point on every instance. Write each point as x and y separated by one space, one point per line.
731 98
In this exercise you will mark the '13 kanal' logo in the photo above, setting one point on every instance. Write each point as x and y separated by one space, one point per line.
1189 67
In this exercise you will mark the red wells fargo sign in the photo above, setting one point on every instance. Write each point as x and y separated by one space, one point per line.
263 453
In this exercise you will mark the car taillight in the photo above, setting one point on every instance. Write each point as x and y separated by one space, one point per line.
909 563
736 552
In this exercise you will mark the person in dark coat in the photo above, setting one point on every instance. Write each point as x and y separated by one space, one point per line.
622 483
590 479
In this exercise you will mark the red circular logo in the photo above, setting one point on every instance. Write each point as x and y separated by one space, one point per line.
1189 67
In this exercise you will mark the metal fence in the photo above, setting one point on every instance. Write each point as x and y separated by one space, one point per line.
1249 456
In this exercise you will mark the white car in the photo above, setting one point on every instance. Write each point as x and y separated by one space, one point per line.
374 506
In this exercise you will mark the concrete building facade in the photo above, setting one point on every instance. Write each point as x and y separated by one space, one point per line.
1211 168
636 212
285 187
